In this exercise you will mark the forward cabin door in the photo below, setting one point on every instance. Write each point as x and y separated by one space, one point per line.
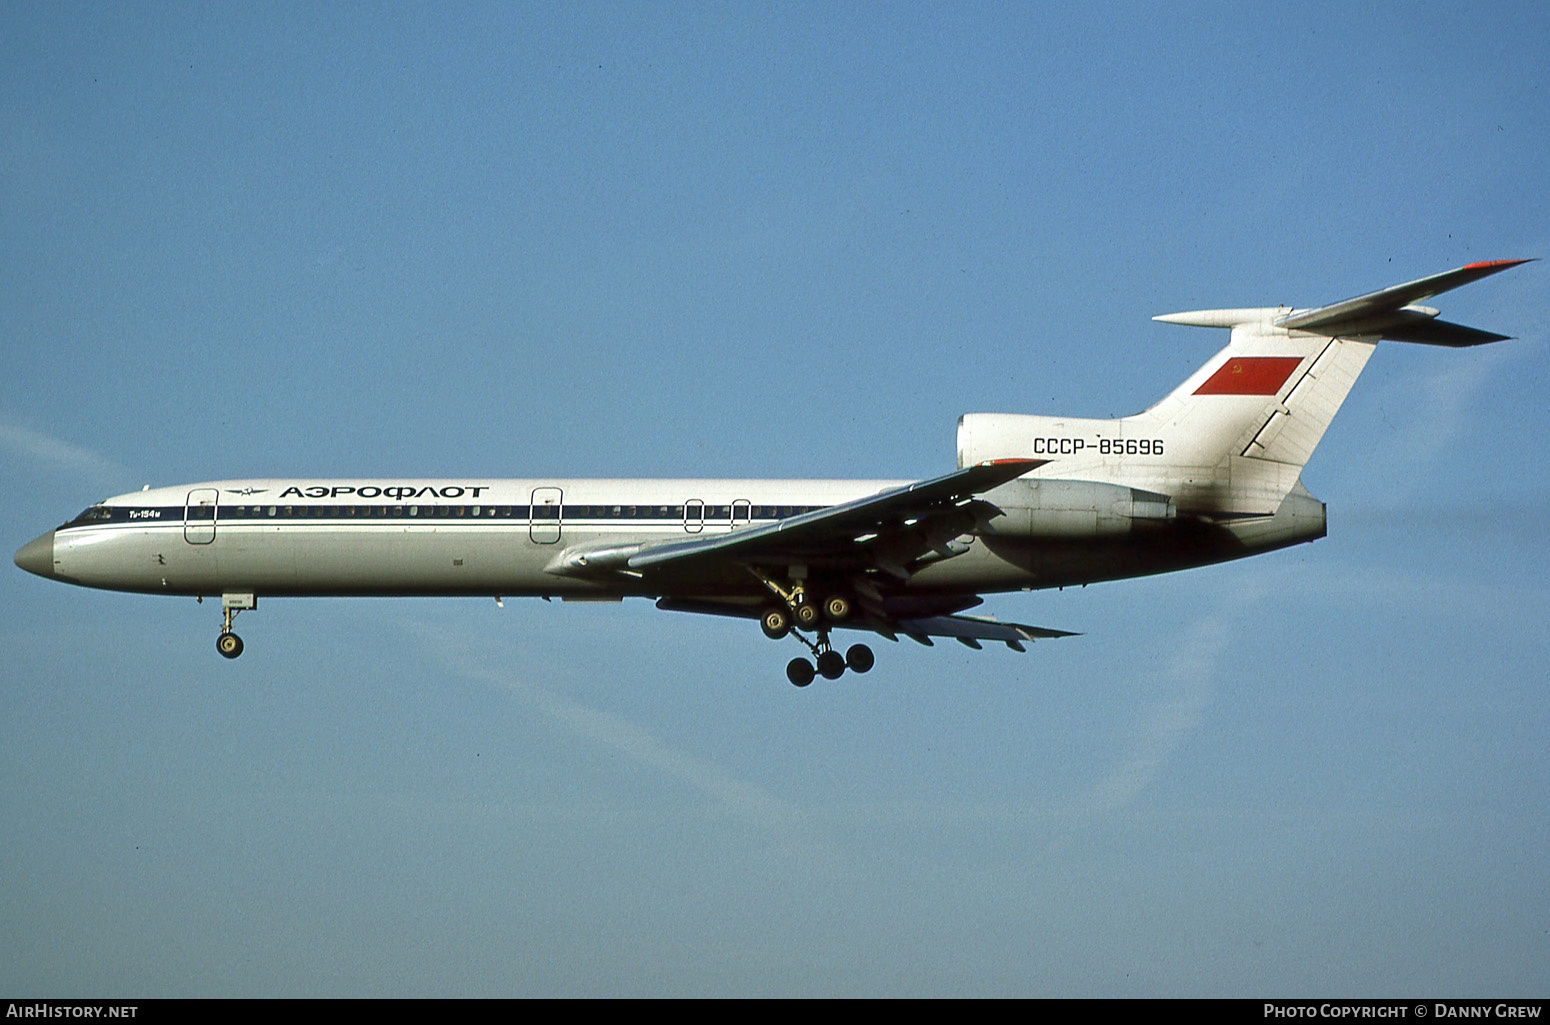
545 523
199 516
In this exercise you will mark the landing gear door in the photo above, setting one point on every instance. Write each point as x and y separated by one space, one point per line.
199 516
544 525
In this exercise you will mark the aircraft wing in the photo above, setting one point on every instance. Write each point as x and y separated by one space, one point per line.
839 529
1389 312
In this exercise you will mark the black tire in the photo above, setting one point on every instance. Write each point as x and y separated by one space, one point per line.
807 616
837 607
800 672
776 623
229 645
859 658
831 665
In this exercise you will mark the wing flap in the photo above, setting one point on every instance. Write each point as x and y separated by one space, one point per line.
978 628
968 630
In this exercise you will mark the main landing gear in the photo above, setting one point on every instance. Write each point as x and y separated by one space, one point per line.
831 665
228 643
801 613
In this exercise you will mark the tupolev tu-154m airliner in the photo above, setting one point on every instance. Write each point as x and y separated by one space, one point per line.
1210 473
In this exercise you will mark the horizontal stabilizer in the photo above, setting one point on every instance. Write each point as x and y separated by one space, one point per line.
1389 313
1430 331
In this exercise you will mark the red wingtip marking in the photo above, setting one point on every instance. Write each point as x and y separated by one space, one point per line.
1483 264
1250 375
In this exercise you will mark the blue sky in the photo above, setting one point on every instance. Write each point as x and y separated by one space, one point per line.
768 240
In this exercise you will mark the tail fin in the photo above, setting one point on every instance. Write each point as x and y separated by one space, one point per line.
1235 435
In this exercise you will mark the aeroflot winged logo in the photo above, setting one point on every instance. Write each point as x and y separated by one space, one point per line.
400 492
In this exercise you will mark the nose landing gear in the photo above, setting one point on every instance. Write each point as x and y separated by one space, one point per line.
228 643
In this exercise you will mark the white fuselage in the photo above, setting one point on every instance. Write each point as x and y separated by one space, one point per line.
478 536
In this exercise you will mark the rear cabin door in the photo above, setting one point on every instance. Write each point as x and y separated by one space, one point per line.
199 516
545 523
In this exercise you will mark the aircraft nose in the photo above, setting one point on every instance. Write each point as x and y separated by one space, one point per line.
37 556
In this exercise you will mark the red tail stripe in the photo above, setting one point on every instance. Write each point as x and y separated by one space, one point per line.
1250 375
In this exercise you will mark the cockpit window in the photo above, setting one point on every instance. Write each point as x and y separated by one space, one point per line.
92 514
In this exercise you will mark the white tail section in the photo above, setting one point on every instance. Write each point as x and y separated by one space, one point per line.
1233 438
